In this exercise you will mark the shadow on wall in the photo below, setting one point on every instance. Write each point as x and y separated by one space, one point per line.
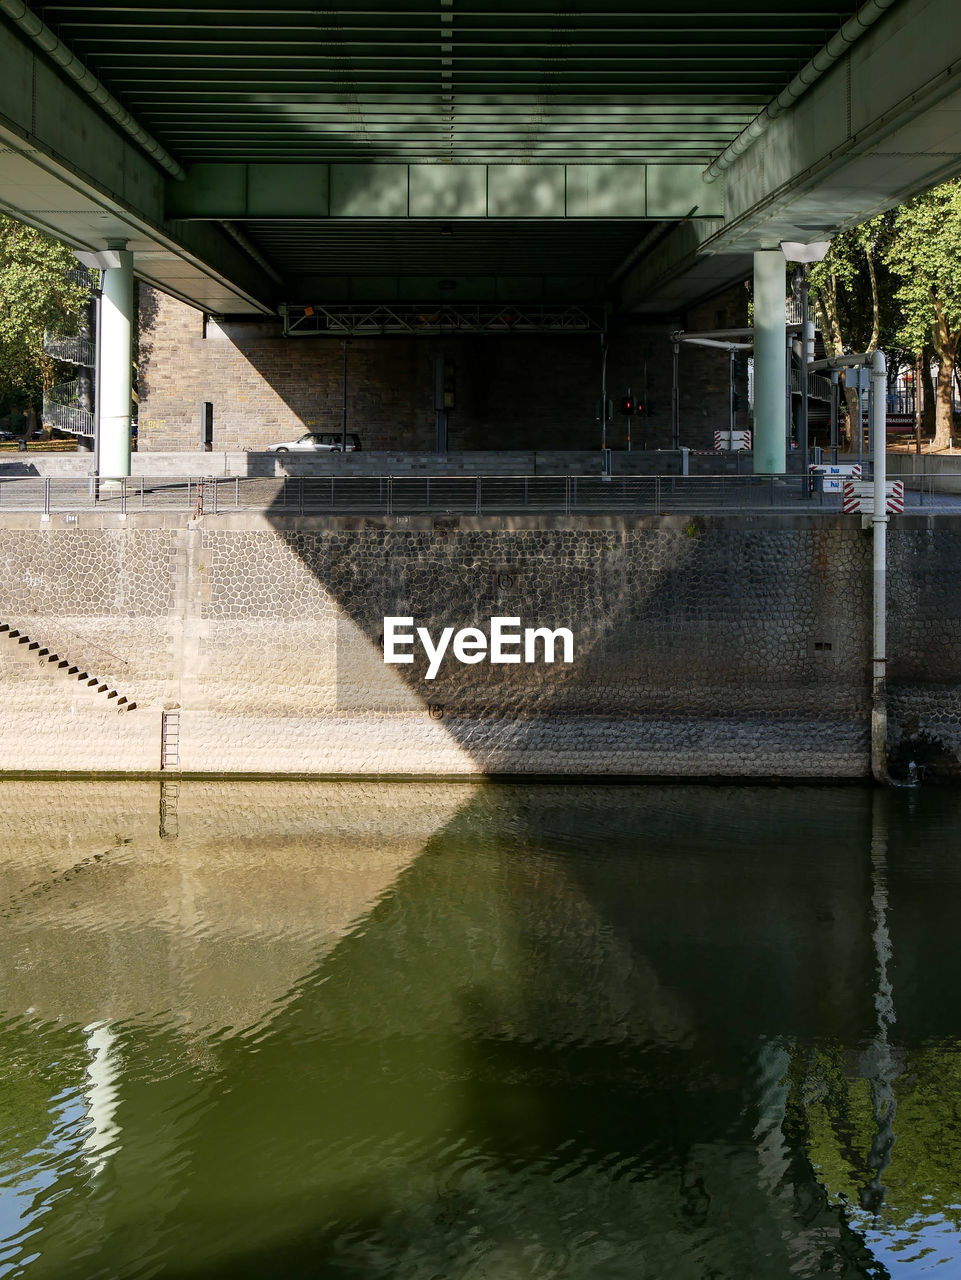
700 647
510 393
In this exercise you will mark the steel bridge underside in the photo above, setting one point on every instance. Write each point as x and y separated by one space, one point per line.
467 153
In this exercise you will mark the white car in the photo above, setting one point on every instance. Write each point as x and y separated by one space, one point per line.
317 442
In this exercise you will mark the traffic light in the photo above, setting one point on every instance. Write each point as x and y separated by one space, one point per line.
738 401
628 406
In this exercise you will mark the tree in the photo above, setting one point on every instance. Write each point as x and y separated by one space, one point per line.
37 292
925 256
854 293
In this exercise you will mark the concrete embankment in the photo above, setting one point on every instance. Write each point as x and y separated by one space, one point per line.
252 644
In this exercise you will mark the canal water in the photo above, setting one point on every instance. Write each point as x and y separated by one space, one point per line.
451 1031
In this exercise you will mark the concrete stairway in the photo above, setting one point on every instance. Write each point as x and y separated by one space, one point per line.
58 665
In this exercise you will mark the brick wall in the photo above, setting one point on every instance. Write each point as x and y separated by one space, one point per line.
511 393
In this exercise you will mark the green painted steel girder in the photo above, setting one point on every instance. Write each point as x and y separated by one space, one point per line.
459 81
336 142
239 191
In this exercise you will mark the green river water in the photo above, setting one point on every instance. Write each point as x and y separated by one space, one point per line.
450 1031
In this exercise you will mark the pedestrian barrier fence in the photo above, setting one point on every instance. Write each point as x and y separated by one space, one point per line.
453 495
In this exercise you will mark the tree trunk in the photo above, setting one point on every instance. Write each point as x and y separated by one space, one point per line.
825 302
945 414
875 303
926 391
853 407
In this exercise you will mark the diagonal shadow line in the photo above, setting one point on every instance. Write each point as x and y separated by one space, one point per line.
691 657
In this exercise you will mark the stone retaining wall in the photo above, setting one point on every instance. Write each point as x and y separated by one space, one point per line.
723 646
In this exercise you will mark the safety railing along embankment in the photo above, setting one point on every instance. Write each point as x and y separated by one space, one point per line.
451 495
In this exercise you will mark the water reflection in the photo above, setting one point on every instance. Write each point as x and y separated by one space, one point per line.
448 1031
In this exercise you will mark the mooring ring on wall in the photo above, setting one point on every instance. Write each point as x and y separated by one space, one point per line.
435 711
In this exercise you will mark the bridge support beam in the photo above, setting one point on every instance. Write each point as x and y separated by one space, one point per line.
770 374
115 364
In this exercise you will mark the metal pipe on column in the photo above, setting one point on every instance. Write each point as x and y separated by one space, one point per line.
86 373
343 423
730 397
604 352
834 416
807 355
769 365
788 393
676 398
879 521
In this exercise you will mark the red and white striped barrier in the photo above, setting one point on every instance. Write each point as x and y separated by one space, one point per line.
858 497
732 441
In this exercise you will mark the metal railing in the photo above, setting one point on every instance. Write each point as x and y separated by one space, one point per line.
792 311
819 387
401 496
85 277
61 408
79 349
932 488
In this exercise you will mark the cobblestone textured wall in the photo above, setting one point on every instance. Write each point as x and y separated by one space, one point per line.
924 647
518 392
715 646
731 647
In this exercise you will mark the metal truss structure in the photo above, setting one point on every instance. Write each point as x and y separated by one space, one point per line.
350 320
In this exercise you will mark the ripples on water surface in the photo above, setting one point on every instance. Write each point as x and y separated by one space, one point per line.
442 1031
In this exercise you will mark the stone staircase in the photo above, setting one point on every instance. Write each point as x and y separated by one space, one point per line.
58 665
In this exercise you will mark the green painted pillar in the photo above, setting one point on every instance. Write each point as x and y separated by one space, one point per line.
115 365
770 359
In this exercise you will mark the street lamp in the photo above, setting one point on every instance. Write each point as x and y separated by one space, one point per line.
805 254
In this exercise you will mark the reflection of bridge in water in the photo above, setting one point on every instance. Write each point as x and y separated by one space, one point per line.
489 1016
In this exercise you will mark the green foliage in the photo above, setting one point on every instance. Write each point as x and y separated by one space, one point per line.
856 292
925 257
36 293
840 1125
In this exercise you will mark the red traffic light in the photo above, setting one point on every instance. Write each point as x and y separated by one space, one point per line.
627 405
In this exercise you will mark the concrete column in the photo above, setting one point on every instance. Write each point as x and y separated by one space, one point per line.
115 366
770 373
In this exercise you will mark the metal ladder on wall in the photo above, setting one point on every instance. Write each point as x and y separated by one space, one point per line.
170 741
169 818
